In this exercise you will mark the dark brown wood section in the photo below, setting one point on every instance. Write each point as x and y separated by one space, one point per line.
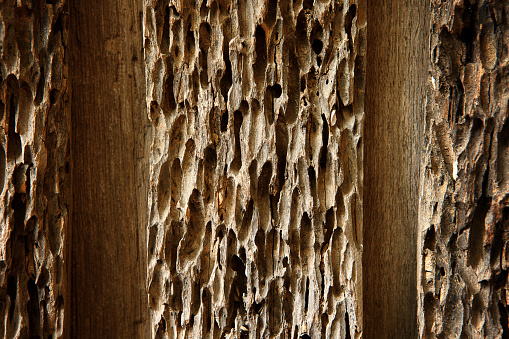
110 160
396 65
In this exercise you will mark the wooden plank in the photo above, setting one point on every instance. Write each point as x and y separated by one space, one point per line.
396 70
110 164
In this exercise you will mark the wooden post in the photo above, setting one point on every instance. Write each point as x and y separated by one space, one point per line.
396 70
110 169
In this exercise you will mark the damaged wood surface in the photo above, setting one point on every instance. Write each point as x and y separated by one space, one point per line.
34 169
196 169
464 208
256 176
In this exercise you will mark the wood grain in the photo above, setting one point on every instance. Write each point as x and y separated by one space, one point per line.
109 170
396 64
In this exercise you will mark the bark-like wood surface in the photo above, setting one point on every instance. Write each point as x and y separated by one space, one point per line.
465 199
34 168
256 178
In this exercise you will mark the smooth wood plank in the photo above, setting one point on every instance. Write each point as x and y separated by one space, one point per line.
110 165
396 70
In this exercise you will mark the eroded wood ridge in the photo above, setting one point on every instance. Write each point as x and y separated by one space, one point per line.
34 168
256 177
465 198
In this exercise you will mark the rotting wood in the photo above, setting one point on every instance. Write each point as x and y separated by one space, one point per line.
256 176
271 119
464 223
34 169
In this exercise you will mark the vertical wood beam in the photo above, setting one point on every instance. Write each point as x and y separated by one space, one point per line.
110 170
396 70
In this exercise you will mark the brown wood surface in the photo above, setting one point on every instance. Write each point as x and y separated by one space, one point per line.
396 64
109 156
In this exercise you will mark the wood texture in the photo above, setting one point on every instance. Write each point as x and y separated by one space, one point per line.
397 41
34 169
244 217
464 223
109 170
256 168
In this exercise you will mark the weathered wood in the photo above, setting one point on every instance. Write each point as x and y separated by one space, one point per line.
34 168
465 199
396 64
256 171
109 165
